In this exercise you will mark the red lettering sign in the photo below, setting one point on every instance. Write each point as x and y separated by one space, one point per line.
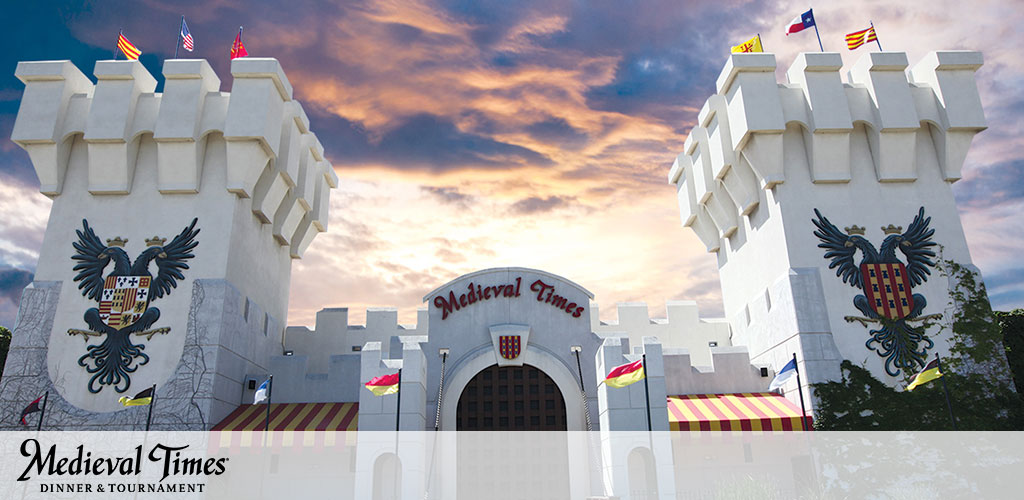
478 293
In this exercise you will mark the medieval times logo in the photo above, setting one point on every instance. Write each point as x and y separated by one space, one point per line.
124 297
887 284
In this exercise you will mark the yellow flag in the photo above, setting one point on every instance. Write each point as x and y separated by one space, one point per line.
752 45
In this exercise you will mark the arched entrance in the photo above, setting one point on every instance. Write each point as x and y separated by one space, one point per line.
511 398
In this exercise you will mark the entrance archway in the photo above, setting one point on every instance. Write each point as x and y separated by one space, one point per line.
511 398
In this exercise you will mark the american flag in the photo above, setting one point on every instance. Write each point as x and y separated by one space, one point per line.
186 37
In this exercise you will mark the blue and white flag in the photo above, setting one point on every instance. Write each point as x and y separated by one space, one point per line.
787 372
262 393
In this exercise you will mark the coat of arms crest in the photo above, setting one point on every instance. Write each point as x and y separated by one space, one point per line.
509 346
887 284
124 296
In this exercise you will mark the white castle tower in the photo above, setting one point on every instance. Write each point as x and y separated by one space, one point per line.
168 250
869 155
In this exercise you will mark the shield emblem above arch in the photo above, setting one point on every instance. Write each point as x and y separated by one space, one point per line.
509 343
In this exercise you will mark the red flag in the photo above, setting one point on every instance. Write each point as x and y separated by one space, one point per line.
237 49
31 408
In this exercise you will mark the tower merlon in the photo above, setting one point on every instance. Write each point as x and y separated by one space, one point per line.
264 148
740 144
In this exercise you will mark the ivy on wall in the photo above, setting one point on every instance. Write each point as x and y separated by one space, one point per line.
986 349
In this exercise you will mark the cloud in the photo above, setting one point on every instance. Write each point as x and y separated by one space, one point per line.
991 186
536 204
12 282
448 194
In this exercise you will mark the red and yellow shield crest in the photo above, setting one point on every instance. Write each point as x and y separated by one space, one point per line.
124 300
887 288
509 346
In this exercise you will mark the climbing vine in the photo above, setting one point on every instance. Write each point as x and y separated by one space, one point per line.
977 372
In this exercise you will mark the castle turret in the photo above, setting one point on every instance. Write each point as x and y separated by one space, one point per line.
829 205
175 219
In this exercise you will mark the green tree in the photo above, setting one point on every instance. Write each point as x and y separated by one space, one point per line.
5 345
979 377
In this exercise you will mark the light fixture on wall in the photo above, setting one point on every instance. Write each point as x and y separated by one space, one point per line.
576 348
289 353
444 351
713 343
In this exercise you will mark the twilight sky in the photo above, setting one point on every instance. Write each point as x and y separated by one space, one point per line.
471 134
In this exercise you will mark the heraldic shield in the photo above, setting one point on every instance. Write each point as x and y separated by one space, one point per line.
124 300
510 343
887 287
509 346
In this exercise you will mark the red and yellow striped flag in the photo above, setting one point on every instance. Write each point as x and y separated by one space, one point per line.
130 51
384 384
858 38
624 375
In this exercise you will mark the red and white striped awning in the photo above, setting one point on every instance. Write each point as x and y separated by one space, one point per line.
758 411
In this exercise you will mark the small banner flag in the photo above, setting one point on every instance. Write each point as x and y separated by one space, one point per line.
801 22
858 38
752 45
627 374
237 49
186 38
143 398
930 372
31 408
130 51
262 392
787 372
383 385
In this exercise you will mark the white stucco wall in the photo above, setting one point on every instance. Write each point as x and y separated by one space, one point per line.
870 150
136 164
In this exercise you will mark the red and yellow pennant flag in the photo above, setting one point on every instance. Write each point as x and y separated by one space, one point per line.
130 51
629 373
383 385
858 38
237 48
752 45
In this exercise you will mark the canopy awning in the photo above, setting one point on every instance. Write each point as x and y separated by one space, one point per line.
758 411
293 417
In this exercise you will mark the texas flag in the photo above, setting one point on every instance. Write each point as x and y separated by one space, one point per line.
801 22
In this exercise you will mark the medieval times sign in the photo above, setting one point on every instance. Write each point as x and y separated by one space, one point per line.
478 293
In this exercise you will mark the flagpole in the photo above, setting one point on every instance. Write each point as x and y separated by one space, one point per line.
118 44
152 402
270 396
42 412
878 42
647 393
800 389
178 42
398 404
820 46
760 42
945 389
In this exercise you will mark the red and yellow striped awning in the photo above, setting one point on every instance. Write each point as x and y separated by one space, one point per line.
758 411
293 417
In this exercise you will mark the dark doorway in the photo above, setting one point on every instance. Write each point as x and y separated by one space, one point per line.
511 398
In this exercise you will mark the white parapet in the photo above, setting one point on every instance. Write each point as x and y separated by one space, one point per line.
739 144
271 155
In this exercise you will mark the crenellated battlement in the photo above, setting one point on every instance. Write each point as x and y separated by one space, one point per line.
754 131
270 155
681 328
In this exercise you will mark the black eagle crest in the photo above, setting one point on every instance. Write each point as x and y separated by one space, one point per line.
124 296
887 285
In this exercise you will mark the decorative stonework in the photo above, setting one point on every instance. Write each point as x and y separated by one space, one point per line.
124 297
887 283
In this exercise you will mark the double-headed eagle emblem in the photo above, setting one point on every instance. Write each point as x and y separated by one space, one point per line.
887 285
124 297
